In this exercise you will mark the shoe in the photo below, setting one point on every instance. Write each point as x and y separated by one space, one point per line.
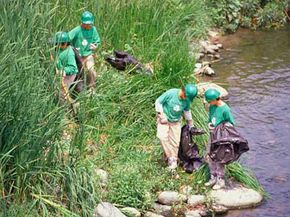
219 184
172 163
211 182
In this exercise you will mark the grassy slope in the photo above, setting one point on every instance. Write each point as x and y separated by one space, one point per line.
118 124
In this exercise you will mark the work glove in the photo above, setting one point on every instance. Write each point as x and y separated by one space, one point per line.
93 47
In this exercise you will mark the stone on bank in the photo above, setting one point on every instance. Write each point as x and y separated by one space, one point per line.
105 209
237 198
171 197
131 212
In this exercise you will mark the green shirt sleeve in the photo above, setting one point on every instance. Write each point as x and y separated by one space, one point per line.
72 34
228 116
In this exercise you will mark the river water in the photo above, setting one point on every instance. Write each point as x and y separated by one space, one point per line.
256 71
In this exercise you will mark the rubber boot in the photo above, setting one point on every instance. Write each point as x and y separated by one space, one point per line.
219 184
211 182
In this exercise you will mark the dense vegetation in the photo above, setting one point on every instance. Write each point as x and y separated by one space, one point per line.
232 14
48 159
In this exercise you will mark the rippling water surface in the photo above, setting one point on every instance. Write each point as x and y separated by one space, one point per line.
256 72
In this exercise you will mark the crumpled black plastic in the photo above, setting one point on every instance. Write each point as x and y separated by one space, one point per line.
226 144
188 152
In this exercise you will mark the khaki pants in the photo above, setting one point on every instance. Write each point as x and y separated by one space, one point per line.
169 135
89 64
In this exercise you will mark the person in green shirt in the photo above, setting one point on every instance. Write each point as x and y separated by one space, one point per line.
85 38
171 106
65 62
219 112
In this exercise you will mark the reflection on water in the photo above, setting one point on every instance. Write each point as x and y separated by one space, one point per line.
256 72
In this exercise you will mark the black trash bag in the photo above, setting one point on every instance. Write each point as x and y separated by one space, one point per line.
188 152
122 60
78 84
227 144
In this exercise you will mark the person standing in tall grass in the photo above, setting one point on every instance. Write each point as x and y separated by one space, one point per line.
65 62
170 107
85 38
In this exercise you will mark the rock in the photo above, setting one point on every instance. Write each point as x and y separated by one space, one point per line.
192 213
220 46
202 87
162 209
194 200
105 209
213 47
217 56
237 198
208 71
204 43
199 56
203 212
203 68
209 50
212 33
219 209
210 56
103 176
170 197
151 214
186 190
131 212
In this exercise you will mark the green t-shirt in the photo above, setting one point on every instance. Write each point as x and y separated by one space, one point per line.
220 114
173 106
66 61
81 39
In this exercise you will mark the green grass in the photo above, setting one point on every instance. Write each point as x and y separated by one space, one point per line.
116 130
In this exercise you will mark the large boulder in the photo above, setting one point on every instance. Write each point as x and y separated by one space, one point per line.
131 212
194 200
171 197
203 86
237 198
164 210
105 209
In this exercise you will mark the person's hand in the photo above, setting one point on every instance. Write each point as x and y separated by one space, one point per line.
162 118
211 126
93 47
